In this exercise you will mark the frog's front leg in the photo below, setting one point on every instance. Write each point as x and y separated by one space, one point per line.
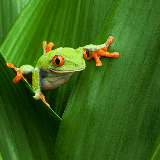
23 70
36 85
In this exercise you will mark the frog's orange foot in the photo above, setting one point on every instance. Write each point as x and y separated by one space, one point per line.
96 54
48 47
42 97
19 72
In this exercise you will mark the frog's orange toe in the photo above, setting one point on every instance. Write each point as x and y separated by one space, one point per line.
10 65
116 54
18 77
44 43
51 44
98 63
19 72
43 99
49 47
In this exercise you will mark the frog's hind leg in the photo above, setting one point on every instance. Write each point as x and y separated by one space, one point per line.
97 51
47 47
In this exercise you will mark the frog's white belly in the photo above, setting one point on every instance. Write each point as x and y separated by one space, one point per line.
53 80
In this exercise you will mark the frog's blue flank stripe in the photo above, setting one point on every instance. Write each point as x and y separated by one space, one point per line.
42 74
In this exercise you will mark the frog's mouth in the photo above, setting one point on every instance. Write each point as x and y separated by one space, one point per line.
68 71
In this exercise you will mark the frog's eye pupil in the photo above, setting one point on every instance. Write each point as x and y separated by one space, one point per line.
58 60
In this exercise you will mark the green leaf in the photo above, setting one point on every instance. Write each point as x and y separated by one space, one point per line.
112 111
156 150
10 9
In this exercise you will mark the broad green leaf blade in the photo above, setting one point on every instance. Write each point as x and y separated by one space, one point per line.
156 155
26 131
113 112
10 9
1 158
156 150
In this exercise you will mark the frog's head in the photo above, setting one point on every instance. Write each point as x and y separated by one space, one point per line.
62 60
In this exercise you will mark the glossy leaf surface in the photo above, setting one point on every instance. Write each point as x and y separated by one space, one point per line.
112 111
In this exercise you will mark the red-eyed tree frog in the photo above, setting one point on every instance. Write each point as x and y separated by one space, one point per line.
55 67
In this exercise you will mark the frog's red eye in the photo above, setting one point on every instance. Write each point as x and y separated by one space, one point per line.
58 60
